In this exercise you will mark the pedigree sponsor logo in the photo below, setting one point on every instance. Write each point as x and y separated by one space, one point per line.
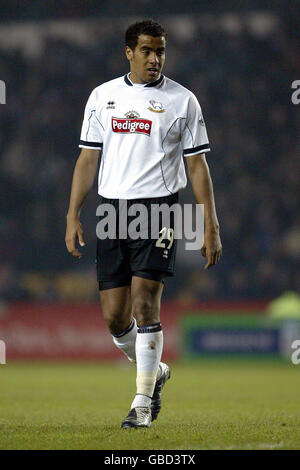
131 126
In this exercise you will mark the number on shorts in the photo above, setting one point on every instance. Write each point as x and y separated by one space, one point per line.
169 234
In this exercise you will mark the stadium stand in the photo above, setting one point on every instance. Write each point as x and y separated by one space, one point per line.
240 69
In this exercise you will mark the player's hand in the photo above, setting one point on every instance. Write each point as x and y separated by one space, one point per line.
212 248
74 231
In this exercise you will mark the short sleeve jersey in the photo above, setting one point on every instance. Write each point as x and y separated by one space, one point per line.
144 131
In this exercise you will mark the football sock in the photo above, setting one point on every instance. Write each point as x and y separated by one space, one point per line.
126 340
141 400
148 348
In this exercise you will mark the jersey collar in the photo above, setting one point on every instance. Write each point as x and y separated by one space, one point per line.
147 85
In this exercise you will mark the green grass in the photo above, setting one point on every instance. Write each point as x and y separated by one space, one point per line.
206 405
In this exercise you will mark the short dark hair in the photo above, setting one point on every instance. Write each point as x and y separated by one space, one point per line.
149 27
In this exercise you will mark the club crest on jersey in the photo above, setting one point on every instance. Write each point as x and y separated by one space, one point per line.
132 124
156 107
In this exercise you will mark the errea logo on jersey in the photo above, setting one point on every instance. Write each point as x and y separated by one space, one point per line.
132 124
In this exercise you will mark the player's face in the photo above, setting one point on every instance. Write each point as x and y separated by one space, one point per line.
147 59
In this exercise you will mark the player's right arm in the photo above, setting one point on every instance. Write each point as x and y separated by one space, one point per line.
83 179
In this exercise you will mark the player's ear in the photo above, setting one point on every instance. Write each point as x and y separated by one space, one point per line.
128 52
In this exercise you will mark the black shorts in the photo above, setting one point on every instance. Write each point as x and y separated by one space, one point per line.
121 257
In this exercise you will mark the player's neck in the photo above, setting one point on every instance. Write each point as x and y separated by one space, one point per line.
135 79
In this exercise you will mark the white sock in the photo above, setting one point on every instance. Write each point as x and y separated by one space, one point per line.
148 349
141 400
126 340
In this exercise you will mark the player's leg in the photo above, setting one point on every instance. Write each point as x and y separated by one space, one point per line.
146 299
116 308
151 373
117 314
150 262
114 277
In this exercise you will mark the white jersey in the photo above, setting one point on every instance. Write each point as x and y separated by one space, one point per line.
143 131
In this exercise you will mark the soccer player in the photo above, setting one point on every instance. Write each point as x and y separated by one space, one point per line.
143 124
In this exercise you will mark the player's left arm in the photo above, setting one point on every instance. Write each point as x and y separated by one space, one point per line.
201 181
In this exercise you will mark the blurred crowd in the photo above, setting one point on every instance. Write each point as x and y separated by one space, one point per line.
241 76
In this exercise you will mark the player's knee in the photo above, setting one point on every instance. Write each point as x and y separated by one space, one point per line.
145 310
115 322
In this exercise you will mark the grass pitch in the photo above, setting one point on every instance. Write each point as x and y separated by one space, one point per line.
206 405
